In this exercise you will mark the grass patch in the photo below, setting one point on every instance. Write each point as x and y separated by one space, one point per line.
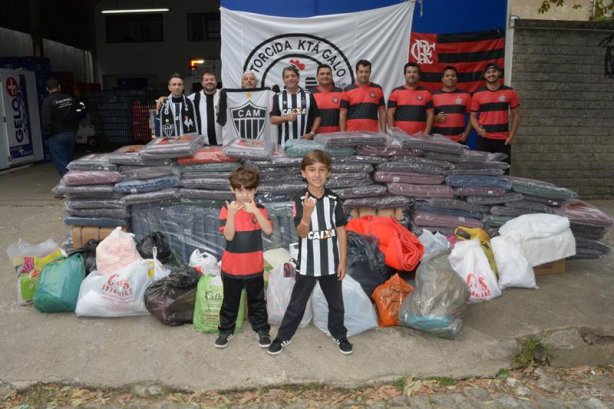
534 352
444 380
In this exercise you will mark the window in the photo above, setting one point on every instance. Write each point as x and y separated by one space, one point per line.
134 28
203 26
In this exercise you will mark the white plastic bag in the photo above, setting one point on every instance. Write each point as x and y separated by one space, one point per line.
469 261
116 251
514 268
359 315
278 295
432 242
17 251
119 294
204 263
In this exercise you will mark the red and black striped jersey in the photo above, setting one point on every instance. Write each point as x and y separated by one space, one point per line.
493 108
242 257
455 104
329 103
363 103
411 107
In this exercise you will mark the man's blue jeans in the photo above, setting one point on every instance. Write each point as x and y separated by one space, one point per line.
62 150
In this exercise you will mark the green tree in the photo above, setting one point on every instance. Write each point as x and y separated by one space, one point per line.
602 9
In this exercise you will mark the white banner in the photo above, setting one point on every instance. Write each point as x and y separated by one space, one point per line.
266 44
247 115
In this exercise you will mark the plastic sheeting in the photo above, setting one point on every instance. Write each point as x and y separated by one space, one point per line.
478 181
540 188
93 161
365 262
352 139
407 177
434 220
385 202
420 191
361 191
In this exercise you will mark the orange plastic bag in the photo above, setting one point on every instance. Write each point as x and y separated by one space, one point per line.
388 298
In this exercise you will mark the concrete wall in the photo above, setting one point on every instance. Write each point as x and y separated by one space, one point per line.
566 134
528 9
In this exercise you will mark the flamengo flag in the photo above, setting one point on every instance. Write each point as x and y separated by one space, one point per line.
247 115
468 52
266 44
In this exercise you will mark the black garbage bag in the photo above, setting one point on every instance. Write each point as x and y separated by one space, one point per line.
88 253
365 262
171 299
159 241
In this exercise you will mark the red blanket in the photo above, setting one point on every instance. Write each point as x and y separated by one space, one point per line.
402 249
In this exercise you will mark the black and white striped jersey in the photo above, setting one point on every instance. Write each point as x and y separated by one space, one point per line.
319 252
304 104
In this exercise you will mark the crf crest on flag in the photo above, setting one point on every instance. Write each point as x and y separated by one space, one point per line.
467 52
265 44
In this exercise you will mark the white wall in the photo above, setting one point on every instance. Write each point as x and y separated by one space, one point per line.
156 61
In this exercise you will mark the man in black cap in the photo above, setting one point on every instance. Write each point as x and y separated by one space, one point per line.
490 106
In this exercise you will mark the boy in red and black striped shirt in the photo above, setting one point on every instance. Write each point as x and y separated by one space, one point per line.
242 222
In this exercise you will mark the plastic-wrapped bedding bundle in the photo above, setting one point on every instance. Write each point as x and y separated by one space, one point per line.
293 176
186 226
93 161
146 172
299 147
581 212
456 204
412 166
277 161
420 191
487 196
147 185
434 220
425 207
209 167
512 211
384 202
93 204
352 167
157 196
91 177
373 160
203 194
287 187
530 205
388 151
541 188
126 155
492 220
95 221
588 232
481 165
478 181
336 181
206 183
480 172
284 232
544 200
407 177
207 154
586 220
351 139
169 148
200 175
121 213
274 197
590 248
249 149
361 191
434 143
89 191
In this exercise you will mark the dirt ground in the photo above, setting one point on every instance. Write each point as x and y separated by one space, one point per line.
563 383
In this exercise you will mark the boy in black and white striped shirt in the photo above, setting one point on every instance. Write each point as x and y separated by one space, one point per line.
320 224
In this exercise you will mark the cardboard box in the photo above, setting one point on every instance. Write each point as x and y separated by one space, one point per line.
82 234
556 267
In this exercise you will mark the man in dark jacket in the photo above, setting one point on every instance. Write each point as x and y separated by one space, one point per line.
59 125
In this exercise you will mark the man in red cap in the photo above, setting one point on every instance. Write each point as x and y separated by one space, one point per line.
490 106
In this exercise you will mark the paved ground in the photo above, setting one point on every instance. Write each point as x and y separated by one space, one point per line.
572 312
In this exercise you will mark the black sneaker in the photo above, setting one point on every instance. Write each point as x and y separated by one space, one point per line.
344 345
264 339
222 339
277 345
